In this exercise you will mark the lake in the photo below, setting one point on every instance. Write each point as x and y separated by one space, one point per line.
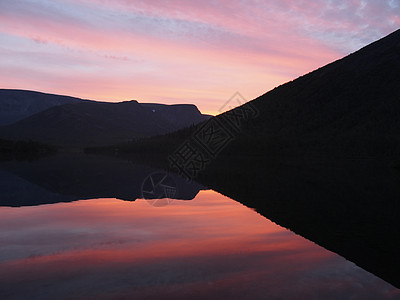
208 247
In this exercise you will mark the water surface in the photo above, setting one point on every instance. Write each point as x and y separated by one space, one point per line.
210 247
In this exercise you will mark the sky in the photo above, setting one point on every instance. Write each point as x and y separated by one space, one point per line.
176 51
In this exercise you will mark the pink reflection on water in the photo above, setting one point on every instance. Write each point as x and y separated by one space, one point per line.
210 247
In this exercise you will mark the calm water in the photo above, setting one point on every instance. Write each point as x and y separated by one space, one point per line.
210 247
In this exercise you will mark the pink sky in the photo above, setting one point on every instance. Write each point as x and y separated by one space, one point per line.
198 52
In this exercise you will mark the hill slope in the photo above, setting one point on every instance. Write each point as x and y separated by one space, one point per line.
351 106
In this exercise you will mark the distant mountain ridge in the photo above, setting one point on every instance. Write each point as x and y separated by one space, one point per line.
16 105
75 122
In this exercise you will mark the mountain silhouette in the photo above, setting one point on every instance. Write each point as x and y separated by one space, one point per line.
99 123
349 107
16 105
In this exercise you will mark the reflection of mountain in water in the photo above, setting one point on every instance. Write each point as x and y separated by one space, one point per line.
349 206
66 178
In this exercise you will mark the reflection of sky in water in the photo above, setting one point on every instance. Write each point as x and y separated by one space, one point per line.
210 247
